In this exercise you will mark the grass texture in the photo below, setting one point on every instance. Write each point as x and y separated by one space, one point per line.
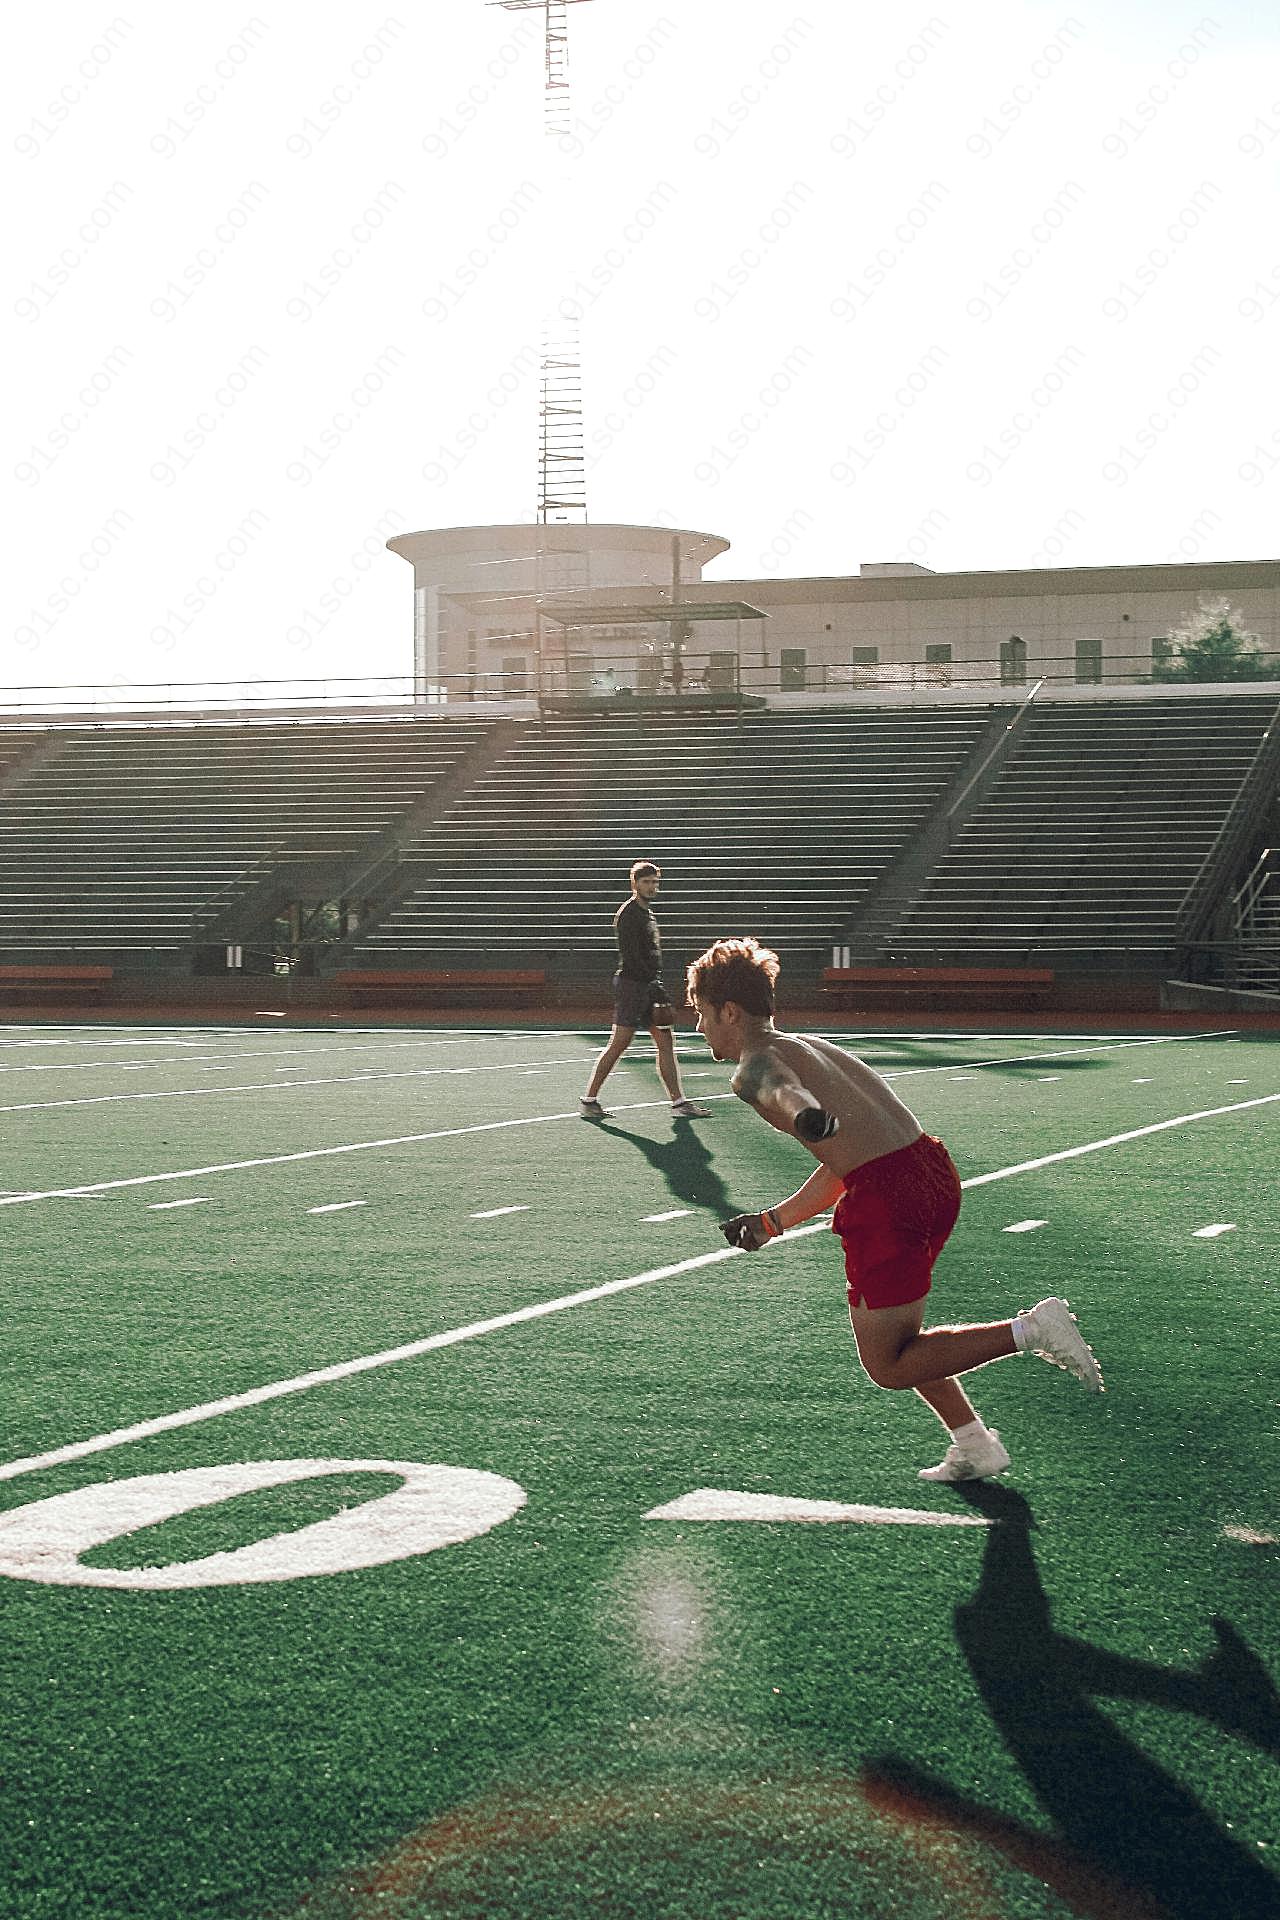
1069 1711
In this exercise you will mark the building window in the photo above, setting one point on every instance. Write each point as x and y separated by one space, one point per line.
937 663
515 677
1013 661
794 661
864 656
1161 649
1088 662
721 672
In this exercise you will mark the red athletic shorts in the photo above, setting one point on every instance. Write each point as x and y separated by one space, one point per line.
894 1218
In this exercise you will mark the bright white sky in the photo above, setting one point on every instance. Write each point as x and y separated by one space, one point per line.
995 284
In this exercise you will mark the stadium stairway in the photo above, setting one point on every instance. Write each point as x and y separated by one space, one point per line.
769 823
128 844
1082 853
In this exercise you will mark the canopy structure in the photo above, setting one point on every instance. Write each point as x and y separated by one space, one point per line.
678 615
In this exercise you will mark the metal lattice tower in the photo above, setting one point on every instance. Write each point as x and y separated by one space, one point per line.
562 466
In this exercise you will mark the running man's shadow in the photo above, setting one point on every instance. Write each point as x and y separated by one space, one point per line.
684 1163
1115 1809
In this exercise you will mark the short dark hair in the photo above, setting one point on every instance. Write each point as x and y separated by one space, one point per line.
738 970
645 870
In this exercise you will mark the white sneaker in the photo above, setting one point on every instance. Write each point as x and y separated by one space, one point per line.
1051 1331
690 1110
976 1461
592 1110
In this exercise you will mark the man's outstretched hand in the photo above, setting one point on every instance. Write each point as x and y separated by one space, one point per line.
815 1123
747 1230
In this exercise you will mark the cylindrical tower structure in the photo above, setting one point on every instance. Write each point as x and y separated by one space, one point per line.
476 592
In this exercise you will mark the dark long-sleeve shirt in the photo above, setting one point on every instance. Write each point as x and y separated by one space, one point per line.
639 944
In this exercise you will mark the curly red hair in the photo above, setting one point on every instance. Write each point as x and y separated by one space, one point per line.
738 970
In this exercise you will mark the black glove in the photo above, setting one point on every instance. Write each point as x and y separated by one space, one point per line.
748 1230
815 1123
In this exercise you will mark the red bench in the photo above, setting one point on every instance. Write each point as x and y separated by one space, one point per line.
937 986
498 985
54 983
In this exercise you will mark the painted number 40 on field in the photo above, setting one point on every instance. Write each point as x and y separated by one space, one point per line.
434 1506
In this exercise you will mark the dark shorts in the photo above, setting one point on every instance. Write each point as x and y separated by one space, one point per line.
894 1218
634 1001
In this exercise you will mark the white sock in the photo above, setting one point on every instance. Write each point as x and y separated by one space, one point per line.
1019 1333
971 1431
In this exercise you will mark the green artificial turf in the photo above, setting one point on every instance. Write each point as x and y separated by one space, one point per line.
583 1710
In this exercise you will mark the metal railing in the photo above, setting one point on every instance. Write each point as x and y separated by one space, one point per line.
695 678
1244 905
1230 846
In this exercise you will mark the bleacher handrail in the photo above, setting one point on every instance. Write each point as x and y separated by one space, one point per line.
997 752
1232 837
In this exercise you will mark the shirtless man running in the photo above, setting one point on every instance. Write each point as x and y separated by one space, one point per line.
896 1195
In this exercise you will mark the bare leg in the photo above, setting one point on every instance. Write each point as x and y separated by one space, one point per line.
950 1402
897 1353
668 1066
619 1040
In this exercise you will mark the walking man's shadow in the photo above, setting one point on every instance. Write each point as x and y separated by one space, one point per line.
1117 1811
684 1163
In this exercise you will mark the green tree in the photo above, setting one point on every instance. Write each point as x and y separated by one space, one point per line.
1214 644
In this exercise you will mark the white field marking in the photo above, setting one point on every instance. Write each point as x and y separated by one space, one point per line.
677 1213
544 1119
274 1086
1024 1226
434 1506
166 1206
99 1187
267 1013
1116 1139
346 1369
1142 1083
248 1053
1251 1536
1045 1078
710 1503
957 1079
1211 1233
338 1206
507 1066
493 1213
1237 1083
1061 1053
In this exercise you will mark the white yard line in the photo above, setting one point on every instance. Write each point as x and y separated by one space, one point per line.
263 1053
1024 1226
347 1369
283 1086
320 1153
338 1206
1212 1233
520 1066
677 1213
495 1213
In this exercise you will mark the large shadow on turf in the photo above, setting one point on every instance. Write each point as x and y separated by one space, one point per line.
1112 1805
683 1161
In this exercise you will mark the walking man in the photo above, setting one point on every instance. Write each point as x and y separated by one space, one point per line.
639 998
896 1195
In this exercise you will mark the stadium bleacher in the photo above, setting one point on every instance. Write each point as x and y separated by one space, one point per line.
775 824
118 840
1085 847
507 844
